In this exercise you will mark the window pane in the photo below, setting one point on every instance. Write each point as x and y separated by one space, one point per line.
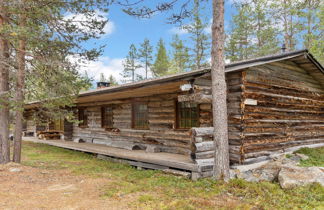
83 117
140 116
187 115
107 117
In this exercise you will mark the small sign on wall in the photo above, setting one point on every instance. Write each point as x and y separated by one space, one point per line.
249 101
185 87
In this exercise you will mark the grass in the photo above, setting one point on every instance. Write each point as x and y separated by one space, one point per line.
156 190
316 156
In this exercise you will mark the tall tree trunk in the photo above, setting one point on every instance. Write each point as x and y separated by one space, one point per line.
221 163
20 94
4 92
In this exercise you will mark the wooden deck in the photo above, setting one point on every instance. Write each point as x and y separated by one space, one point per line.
139 158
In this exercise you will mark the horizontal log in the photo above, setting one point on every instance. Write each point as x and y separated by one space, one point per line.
203 146
202 155
202 131
195 97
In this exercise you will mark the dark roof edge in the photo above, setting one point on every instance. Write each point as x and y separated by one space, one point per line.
230 67
314 61
169 78
236 66
268 58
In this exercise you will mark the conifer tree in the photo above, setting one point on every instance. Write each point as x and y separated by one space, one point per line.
201 40
265 33
41 32
161 64
286 16
145 56
131 65
102 78
112 80
180 55
310 21
239 46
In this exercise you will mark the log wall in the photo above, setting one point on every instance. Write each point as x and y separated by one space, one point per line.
287 110
160 137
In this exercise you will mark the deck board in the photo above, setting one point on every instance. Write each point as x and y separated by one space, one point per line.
175 161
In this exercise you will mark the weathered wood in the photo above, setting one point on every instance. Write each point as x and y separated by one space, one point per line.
196 97
202 131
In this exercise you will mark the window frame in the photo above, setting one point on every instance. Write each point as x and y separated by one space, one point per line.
103 116
178 117
83 112
134 104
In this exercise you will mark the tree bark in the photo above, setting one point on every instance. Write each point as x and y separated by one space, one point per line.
20 86
4 95
221 163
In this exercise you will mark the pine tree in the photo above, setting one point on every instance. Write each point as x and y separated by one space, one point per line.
145 56
112 80
239 41
309 15
317 44
102 78
161 64
42 30
285 14
201 40
4 89
266 35
180 56
131 65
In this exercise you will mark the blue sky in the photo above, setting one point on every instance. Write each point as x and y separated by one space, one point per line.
123 30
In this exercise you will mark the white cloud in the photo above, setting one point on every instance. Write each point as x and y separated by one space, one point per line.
78 18
178 30
107 66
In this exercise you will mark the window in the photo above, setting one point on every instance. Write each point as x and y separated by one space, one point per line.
107 117
187 115
83 117
140 116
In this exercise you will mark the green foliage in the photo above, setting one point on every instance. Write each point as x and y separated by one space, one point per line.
102 78
316 43
260 27
180 56
316 156
112 80
286 15
54 33
161 64
239 41
252 33
156 190
145 56
131 65
201 40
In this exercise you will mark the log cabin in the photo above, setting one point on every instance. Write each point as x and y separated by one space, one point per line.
275 105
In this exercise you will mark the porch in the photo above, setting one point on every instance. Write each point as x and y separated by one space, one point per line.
173 163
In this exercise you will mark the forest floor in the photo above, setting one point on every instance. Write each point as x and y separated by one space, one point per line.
55 178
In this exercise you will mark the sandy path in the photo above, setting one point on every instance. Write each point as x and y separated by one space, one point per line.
23 187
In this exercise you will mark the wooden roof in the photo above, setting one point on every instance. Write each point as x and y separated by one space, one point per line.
171 83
